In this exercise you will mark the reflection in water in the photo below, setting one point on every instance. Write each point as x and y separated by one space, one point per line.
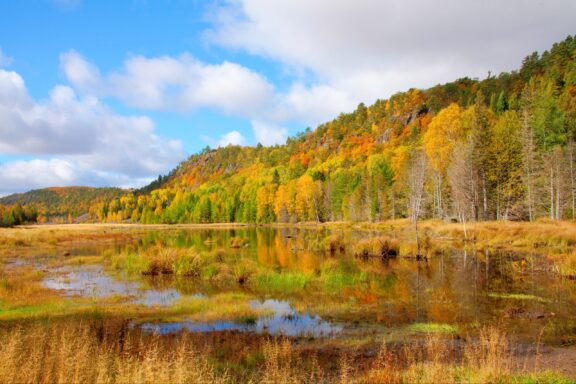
92 281
455 286
284 320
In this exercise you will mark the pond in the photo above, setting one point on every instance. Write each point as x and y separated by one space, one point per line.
297 286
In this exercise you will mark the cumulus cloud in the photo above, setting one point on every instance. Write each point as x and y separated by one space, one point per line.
269 134
82 74
368 49
184 84
233 138
172 83
85 141
22 175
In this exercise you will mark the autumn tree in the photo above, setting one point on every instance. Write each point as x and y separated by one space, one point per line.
444 133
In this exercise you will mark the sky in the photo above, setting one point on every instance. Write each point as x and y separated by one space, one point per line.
114 93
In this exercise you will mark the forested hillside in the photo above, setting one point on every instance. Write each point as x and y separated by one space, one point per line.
497 149
57 204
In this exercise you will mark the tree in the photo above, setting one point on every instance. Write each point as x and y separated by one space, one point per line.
417 176
444 133
477 121
308 199
265 204
276 177
505 169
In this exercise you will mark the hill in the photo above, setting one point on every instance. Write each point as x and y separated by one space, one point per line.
497 148
57 203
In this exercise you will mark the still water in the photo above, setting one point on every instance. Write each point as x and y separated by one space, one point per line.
466 288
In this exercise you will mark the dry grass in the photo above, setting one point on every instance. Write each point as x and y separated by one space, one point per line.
547 236
380 246
486 360
93 352
85 354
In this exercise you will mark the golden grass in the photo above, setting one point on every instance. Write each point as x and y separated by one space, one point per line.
380 246
97 352
486 360
544 236
80 353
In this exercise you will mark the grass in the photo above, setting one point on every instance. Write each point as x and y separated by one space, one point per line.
517 296
74 353
337 283
550 237
380 246
566 264
283 282
433 328
94 351
338 275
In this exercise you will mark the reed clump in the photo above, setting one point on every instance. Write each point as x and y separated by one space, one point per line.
380 246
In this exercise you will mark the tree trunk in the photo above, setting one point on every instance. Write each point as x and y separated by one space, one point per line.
571 159
551 193
558 201
484 196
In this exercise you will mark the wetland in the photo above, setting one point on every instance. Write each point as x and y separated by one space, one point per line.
245 303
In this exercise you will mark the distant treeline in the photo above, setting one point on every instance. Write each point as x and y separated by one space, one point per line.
16 215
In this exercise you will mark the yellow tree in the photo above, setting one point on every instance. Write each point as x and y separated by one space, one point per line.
506 163
308 199
281 204
444 132
265 203
399 164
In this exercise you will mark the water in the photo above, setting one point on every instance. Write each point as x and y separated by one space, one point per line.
92 281
283 320
453 287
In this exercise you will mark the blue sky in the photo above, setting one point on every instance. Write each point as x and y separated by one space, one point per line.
117 92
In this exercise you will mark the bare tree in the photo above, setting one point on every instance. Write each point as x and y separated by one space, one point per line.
462 178
417 176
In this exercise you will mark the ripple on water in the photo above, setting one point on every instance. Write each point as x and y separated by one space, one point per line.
283 320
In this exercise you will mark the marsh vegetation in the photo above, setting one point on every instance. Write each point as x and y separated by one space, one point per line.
308 303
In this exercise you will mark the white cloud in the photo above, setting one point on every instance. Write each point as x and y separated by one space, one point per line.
35 173
314 104
184 84
86 142
5 60
370 49
82 74
22 175
172 83
233 137
269 134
